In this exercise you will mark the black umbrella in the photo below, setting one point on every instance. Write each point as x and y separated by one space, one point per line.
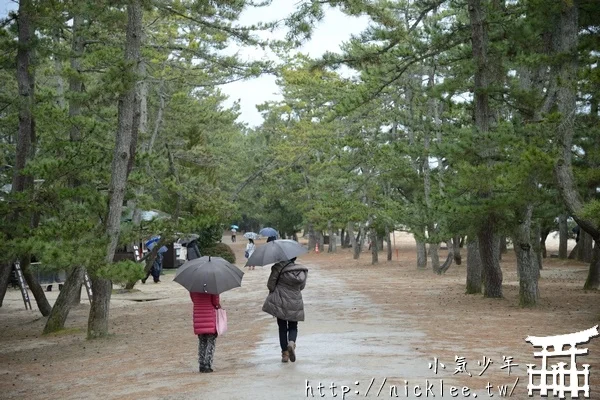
213 275
275 251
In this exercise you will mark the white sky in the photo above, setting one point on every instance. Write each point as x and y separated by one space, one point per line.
330 33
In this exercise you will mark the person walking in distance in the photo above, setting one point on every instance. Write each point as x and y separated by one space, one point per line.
233 234
284 301
250 247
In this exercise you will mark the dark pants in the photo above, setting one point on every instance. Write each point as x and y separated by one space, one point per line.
288 331
206 349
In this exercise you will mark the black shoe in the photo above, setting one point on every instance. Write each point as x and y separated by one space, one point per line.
205 370
144 280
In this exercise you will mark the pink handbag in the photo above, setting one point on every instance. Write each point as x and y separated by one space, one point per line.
221 321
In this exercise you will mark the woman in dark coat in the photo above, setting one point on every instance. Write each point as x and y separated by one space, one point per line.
285 284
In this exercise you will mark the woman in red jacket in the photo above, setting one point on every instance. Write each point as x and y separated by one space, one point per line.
205 326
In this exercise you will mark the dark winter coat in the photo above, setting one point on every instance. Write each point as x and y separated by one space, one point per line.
285 298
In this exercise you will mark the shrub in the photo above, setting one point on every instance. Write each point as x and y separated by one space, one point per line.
219 250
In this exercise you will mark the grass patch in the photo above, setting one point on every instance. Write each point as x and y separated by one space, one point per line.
66 331
125 291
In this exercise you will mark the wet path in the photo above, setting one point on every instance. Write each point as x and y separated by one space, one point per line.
346 340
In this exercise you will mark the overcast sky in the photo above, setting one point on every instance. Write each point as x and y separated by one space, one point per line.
329 34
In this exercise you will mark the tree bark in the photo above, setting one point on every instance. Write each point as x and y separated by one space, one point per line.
421 250
563 233
64 302
388 243
593 279
70 295
5 270
489 252
312 237
566 46
449 258
535 245
474 269
98 319
99 311
353 243
487 238
374 246
36 288
332 239
527 266
456 247
26 138
585 249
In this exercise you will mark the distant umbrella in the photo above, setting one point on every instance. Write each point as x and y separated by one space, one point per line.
213 275
163 249
235 227
185 240
251 235
268 232
275 251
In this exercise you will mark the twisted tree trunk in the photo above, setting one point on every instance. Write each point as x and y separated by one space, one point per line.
567 40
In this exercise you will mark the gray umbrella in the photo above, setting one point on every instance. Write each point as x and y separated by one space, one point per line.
275 251
213 275
186 239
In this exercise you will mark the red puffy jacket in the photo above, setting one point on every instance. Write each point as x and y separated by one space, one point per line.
205 316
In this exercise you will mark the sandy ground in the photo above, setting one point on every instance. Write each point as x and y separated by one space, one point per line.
384 324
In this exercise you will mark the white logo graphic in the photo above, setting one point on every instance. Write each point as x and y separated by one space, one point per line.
563 380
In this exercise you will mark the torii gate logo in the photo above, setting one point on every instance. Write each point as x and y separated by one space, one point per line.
563 380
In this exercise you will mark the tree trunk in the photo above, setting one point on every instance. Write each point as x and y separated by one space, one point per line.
350 233
527 266
5 270
575 251
26 83
58 68
362 235
503 245
449 258
64 302
456 249
71 293
474 269
543 238
388 243
537 249
312 237
98 319
563 233
36 288
332 239
435 257
421 248
489 252
593 279
585 250
26 138
488 242
374 246
321 240
567 41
